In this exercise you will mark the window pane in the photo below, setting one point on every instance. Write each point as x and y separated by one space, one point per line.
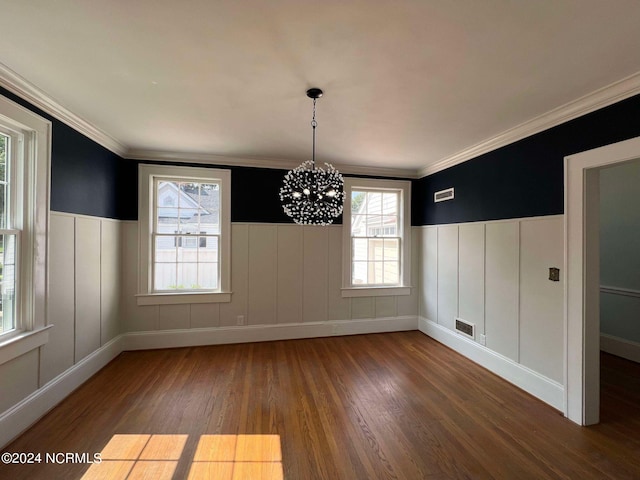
374 225
208 276
166 249
391 249
189 219
359 273
391 273
188 276
188 249
375 273
167 220
376 249
357 202
374 203
389 203
359 226
390 226
208 249
7 282
376 228
165 276
360 249
186 211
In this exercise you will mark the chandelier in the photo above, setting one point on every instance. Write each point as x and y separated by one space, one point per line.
312 195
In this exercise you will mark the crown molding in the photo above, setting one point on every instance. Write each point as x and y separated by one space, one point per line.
211 159
29 92
600 98
615 92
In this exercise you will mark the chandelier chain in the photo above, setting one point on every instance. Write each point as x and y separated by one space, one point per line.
314 124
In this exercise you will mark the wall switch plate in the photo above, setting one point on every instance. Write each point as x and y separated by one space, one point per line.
554 274
240 319
483 339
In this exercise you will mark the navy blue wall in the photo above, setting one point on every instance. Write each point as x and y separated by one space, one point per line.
84 175
522 179
254 192
525 178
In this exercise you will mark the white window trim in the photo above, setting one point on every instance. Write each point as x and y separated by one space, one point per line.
348 290
32 330
146 173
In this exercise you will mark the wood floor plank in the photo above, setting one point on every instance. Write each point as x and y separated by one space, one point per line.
385 406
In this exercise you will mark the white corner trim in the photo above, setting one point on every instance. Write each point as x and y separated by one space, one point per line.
547 390
610 94
263 333
24 89
22 415
620 347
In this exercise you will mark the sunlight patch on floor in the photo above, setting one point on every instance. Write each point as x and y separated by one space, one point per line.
220 457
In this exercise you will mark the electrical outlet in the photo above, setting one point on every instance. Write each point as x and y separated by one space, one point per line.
483 339
554 274
240 319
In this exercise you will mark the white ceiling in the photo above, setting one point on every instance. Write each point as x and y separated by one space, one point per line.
407 83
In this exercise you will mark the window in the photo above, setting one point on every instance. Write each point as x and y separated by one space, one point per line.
376 238
24 195
184 234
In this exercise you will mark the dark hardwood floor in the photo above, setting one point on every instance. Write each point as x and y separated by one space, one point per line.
385 406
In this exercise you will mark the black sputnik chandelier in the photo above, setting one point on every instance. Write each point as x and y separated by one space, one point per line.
312 195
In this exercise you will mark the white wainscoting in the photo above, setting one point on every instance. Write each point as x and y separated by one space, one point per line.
495 275
83 312
280 275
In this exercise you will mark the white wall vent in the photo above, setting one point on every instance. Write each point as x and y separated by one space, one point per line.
443 195
466 328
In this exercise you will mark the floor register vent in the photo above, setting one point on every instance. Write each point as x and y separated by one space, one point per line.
466 328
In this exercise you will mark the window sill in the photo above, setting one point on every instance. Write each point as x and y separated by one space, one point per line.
375 292
23 343
182 298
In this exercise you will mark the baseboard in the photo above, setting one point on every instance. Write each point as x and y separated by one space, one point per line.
263 333
620 347
547 390
25 413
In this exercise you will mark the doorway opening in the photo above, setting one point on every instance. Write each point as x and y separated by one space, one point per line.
582 267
